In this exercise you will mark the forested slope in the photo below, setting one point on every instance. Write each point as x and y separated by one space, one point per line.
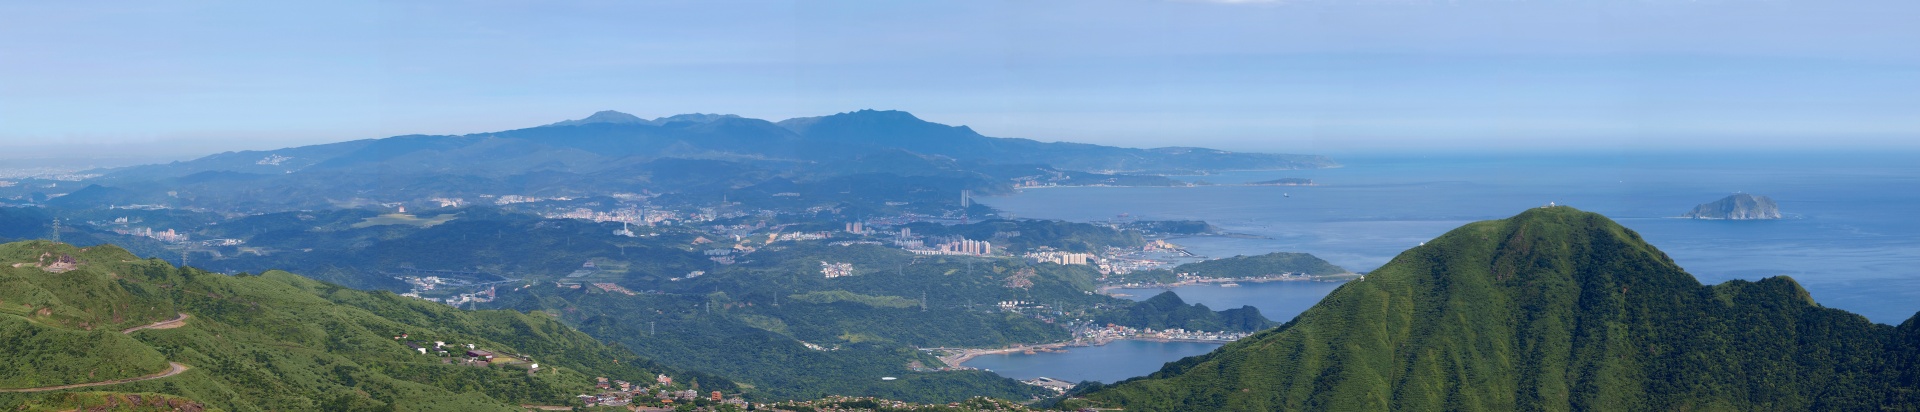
274 341
1554 309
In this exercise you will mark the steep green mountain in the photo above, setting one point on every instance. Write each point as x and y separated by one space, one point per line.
1553 309
274 341
1261 265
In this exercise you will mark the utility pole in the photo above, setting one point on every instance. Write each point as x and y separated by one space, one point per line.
649 328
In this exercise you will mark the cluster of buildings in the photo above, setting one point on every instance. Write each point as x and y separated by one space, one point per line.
272 160
1063 258
423 283
512 199
168 235
1015 304
958 246
618 393
482 296
835 269
472 355
798 236
1114 332
1058 386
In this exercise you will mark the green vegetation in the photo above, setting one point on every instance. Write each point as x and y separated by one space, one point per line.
758 342
1554 309
832 296
1175 227
274 341
404 219
102 401
484 241
1261 265
1166 310
1155 276
39 355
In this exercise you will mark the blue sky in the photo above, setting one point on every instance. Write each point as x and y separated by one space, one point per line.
1311 76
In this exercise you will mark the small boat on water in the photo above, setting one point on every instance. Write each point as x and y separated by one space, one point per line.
1229 285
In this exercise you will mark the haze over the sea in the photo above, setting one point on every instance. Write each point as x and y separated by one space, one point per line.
121 79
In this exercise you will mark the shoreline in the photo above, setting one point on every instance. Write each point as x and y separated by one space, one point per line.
956 361
1108 289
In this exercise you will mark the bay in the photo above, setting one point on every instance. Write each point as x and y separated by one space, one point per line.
1107 363
1851 237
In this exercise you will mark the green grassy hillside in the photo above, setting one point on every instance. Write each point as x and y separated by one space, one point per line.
1554 309
274 341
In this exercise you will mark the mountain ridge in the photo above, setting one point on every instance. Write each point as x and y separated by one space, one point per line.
273 341
599 155
1553 309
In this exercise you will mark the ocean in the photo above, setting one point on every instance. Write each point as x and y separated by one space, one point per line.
1851 236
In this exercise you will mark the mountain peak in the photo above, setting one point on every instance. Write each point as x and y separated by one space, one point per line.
603 116
615 117
1489 315
868 126
694 117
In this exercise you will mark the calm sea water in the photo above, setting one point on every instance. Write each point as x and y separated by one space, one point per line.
1106 363
1852 236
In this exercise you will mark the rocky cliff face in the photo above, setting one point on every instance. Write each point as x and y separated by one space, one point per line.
1737 207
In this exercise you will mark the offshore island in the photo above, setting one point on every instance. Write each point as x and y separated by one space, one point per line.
1739 206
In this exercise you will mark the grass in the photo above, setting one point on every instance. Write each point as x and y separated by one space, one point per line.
832 296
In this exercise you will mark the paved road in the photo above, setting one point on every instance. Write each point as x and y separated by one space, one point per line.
165 324
174 368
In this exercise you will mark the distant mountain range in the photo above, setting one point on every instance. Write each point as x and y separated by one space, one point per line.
610 139
1553 309
691 153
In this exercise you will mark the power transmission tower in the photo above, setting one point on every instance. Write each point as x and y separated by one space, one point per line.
56 230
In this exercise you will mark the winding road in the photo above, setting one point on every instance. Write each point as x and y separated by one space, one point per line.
173 368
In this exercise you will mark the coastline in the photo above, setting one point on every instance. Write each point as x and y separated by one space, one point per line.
955 360
1342 277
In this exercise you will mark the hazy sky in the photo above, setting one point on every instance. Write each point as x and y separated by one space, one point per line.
1325 76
